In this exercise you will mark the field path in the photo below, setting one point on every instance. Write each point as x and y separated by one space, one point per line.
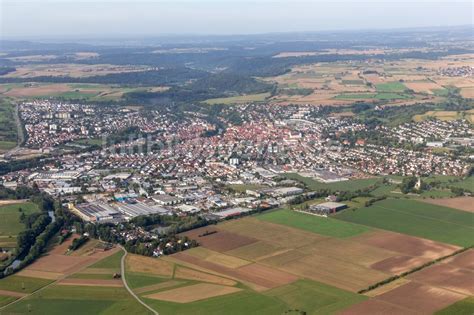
122 267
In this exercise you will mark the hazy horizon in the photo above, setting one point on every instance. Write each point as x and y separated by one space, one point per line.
117 18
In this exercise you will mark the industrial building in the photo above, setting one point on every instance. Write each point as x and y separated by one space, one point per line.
286 191
131 210
325 209
96 212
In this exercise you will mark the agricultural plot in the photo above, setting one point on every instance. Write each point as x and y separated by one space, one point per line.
310 296
463 307
390 87
83 300
58 263
217 239
398 82
427 87
69 69
351 185
460 203
467 92
374 96
193 293
8 128
10 224
90 92
22 284
430 290
324 226
239 99
418 219
142 264
4 300
313 248
443 115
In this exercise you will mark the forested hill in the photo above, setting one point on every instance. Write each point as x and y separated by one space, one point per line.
212 86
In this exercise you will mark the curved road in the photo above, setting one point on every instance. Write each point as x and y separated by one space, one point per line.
122 268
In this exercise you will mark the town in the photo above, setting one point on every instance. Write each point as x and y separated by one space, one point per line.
167 166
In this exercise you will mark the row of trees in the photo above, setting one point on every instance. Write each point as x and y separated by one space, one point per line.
35 224
41 241
78 242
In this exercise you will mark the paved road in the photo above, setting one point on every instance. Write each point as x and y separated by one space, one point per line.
122 268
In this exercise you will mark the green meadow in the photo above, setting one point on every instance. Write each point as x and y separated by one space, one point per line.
417 219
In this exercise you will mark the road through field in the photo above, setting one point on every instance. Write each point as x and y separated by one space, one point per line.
122 268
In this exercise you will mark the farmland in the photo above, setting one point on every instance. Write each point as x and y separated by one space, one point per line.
10 224
22 284
417 219
463 307
57 283
178 294
269 263
445 287
354 185
277 255
461 203
238 99
68 69
316 224
400 82
70 91
446 115
8 129
59 299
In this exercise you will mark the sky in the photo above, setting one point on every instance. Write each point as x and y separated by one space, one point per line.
87 18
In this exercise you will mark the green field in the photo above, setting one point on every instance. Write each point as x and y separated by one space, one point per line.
316 224
441 92
22 284
78 300
463 307
240 303
99 276
390 87
138 280
314 297
241 188
304 295
351 185
355 96
4 300
112 262
393 96
377 96
467 183
10 224
238 99
418 219
7 145
8 129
